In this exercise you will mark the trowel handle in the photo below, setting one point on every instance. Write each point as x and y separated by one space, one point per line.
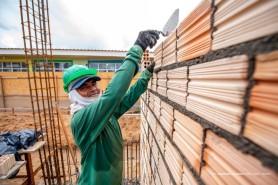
162 33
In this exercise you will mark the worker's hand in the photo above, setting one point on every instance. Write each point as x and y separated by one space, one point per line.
150 67
147 38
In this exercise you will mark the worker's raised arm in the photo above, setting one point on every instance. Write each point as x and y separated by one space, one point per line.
135 91
92 119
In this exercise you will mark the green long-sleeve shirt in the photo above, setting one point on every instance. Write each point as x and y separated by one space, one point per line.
96 130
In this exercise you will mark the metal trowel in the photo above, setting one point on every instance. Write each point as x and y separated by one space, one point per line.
171 24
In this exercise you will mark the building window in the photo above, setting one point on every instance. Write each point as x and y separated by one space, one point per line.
105 65
59 65
13 66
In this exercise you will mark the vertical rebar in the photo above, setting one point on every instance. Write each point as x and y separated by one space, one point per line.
36 42
131 161
42 88
127 161
139 159
43 93
136 161
123 174
46 35
55 84
68 163
75 153
30 49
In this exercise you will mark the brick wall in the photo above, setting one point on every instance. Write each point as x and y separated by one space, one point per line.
209 115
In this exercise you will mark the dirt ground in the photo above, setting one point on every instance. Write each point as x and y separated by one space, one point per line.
130 124
9 121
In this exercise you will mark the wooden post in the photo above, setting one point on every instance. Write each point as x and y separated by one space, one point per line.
2 92
29 169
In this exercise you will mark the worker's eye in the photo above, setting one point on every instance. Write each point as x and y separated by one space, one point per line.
83 87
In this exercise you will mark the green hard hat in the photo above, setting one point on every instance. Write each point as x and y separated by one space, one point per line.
76 71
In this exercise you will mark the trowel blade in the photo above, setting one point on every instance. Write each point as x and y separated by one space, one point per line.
171 23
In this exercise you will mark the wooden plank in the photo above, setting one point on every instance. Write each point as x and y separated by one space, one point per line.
33 148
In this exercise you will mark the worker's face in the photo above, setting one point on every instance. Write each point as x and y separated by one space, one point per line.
89 89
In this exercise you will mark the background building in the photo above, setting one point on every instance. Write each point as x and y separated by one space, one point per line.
14 88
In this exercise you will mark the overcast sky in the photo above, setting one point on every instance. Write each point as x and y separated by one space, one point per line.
94 24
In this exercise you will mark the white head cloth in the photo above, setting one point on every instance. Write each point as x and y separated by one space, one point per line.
78 101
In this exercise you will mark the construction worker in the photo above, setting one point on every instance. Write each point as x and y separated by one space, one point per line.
94 115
